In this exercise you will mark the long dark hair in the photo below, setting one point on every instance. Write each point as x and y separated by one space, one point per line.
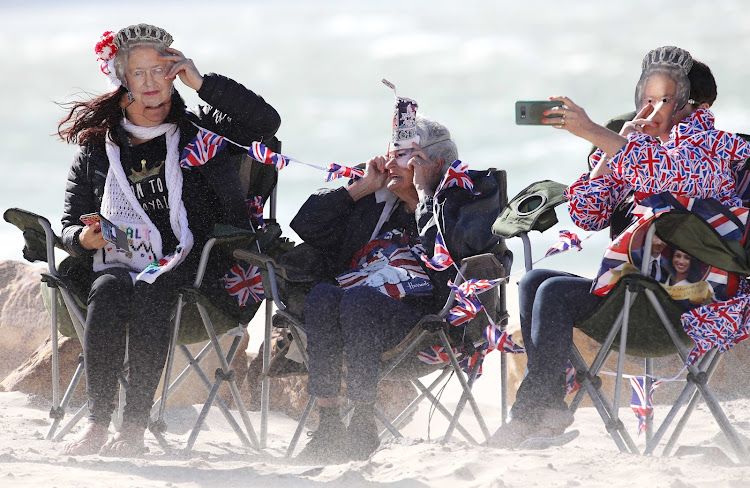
89 121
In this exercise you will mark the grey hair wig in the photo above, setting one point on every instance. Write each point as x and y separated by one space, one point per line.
123 54
676 74
435 140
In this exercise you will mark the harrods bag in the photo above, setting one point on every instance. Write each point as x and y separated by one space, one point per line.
390 263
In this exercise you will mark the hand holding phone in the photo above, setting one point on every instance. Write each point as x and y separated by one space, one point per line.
532 112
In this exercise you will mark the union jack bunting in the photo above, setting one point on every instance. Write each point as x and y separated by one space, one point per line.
642 407
338 171
441 259
435 355
244 283
259 152
568 240
571 384
456 176
255 212
203 147
721 325
468 363
501 340
468 305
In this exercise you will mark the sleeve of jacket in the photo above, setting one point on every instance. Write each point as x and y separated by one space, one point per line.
79 200
234 111
322 220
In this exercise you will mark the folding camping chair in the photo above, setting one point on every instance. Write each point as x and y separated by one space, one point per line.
638 317
65 286
402 363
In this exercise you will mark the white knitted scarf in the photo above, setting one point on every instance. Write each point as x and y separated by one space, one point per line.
120 205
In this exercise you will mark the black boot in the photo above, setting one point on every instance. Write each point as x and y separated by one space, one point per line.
362 434
328 444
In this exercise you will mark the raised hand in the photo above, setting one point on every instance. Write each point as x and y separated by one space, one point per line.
184 68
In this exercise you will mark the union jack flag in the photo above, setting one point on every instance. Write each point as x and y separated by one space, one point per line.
468 363
244 283
501 340
468 305
568 240
435 355
338 171
203 147
571 384
259 152
642 407
255 212
441 259
456 176
721 325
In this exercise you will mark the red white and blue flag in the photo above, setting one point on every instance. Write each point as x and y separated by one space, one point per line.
456 176
259 152
721 325
441 259
571 384
435 355
245 284
467 304
255 212
203 147
568 240
501 340
339 171
642 406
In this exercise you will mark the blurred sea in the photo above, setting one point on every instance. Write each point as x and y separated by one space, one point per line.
320 64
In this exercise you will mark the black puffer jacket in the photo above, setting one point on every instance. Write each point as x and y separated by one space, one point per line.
212 192
335 225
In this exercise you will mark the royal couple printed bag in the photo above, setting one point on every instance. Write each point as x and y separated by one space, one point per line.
391 264
687 278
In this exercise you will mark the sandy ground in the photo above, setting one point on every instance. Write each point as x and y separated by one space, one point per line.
219 459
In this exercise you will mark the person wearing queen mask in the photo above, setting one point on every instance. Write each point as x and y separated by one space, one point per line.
361 322
133 170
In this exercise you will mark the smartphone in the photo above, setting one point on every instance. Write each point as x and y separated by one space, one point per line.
110 231
532 112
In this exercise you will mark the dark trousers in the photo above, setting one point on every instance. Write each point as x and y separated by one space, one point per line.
119 311
360 322
550 304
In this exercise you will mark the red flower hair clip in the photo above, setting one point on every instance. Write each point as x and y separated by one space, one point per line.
105 50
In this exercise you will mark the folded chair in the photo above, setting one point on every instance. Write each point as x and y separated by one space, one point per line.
640 319
65 288
402 363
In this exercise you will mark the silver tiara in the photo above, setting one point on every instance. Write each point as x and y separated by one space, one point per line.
143 32
671 56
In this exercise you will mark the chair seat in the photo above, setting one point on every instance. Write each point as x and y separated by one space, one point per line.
647 336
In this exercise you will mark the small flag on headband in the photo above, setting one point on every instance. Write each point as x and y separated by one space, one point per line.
259 152
642 407
338 171
568 240
456 176
441 259
203 147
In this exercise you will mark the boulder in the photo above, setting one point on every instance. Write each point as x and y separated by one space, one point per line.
24 322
